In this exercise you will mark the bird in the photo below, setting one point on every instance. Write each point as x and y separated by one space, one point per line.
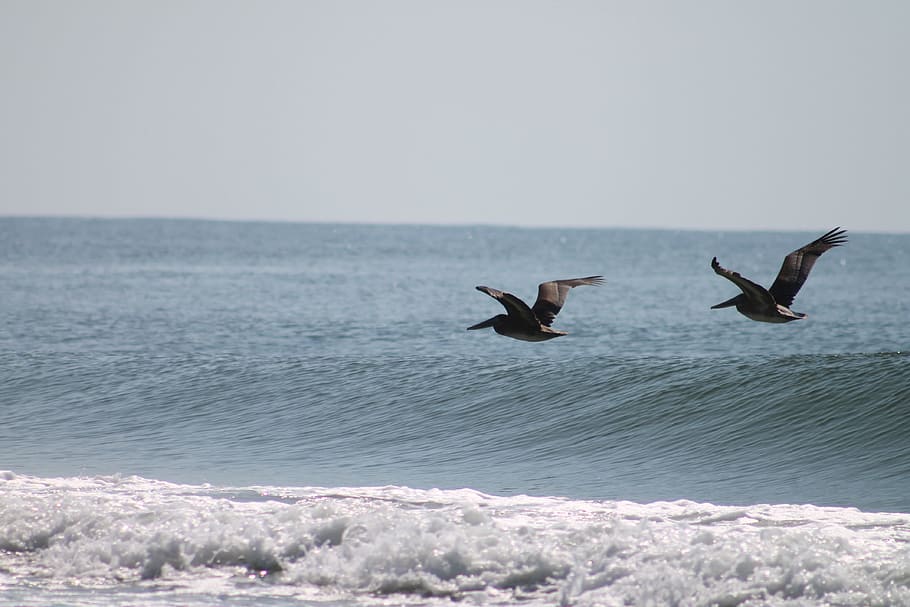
532 323
773 305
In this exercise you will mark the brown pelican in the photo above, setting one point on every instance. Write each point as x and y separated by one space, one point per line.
533 324
773 305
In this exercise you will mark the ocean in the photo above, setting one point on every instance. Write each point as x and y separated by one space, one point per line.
241 413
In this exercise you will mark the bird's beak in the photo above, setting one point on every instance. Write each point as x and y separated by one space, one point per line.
726 304
483 325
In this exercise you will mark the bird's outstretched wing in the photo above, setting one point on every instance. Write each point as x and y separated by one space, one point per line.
797 265
552 295
754 292
513 305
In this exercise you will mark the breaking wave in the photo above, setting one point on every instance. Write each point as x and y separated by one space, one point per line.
350 544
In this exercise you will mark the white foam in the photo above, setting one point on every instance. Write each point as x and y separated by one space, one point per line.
349 543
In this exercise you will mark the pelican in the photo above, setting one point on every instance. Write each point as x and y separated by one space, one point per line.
773 305
532 324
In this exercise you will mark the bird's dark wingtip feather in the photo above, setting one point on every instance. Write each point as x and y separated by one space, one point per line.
835 237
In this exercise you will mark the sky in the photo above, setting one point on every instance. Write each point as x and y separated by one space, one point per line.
703 114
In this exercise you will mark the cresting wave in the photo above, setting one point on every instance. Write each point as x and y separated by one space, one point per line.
827 430
820 429
358 545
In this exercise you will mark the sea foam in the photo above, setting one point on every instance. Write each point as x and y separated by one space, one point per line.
358 545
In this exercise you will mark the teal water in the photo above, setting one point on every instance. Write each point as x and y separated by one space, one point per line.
295 354
211 413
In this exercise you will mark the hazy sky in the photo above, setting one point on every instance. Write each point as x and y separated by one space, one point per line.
693 114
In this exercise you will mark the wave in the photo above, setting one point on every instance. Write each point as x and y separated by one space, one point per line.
354 545
825 430
814 429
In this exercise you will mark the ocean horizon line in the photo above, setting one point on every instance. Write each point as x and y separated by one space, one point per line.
435 225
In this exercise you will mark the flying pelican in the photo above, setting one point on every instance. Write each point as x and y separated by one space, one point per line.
533 324
773 305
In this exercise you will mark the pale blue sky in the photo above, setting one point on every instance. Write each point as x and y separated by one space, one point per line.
698 114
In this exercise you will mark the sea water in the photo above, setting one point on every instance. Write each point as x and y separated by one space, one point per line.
206 413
